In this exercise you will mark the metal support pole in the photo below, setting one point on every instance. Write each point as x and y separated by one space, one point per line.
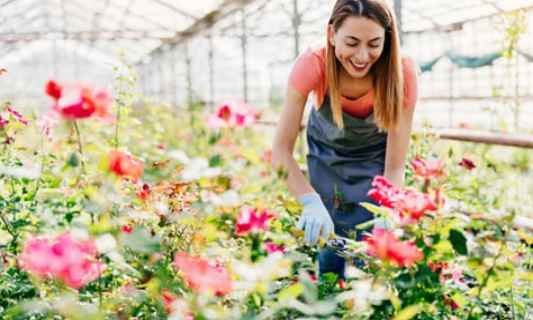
149 80
398 13
161 79
188 72
296 21
174 77
451 87
77 60
54 59
517 93
211 65
188 65
142 78
244 62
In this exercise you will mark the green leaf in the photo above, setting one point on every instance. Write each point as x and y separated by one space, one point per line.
215 161
291 292
73 160
458 240
376 210
214 138
19 223
409 312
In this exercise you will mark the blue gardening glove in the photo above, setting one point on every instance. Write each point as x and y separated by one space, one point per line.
315 219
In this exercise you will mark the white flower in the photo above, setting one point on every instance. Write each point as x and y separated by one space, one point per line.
199 168
162 208
105 243
21 172
179 156
364 293
229 198
273 267
523 222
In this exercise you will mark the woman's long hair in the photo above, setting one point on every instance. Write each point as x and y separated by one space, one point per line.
387 70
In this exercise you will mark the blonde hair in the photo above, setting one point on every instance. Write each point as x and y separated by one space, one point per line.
388 77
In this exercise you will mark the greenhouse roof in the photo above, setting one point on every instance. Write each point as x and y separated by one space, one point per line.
136 26
423 15
102 27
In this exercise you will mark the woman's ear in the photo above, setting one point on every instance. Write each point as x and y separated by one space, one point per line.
331 35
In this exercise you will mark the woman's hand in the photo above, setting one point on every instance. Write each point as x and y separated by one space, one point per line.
315 219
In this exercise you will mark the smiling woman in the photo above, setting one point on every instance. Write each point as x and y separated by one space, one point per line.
360 126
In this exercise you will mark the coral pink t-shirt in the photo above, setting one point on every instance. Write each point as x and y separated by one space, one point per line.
309 74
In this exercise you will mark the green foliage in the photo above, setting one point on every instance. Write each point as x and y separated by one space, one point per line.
476 264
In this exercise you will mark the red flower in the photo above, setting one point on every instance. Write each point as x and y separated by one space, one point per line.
271 247
384 245
413 205
250 220
72 261
83 107
428 169
54 90
467 164
224 112
124 165
409 205
126 228
384 192
233 114
144 192
203 276
79 102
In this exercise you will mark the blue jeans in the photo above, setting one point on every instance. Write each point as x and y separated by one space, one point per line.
330 261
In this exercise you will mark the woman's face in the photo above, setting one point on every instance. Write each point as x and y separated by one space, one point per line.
358 44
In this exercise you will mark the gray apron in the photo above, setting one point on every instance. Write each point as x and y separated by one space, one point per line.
341 165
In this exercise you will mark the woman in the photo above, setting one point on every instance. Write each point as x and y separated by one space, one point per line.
365 95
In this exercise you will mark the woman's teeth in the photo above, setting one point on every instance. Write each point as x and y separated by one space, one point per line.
359 66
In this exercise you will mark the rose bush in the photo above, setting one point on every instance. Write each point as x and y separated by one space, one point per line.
193 223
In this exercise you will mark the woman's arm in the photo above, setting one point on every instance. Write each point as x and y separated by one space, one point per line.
284 140
397 147
398 138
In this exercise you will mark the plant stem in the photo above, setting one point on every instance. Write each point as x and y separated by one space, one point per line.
100 297
41 170
8 226
119 104
486 279
80 144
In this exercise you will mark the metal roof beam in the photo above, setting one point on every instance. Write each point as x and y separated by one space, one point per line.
452 26
210 19
494 5
175 9
20 14
5 3
204 23
104 35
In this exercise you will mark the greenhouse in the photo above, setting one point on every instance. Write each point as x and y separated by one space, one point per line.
251 159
